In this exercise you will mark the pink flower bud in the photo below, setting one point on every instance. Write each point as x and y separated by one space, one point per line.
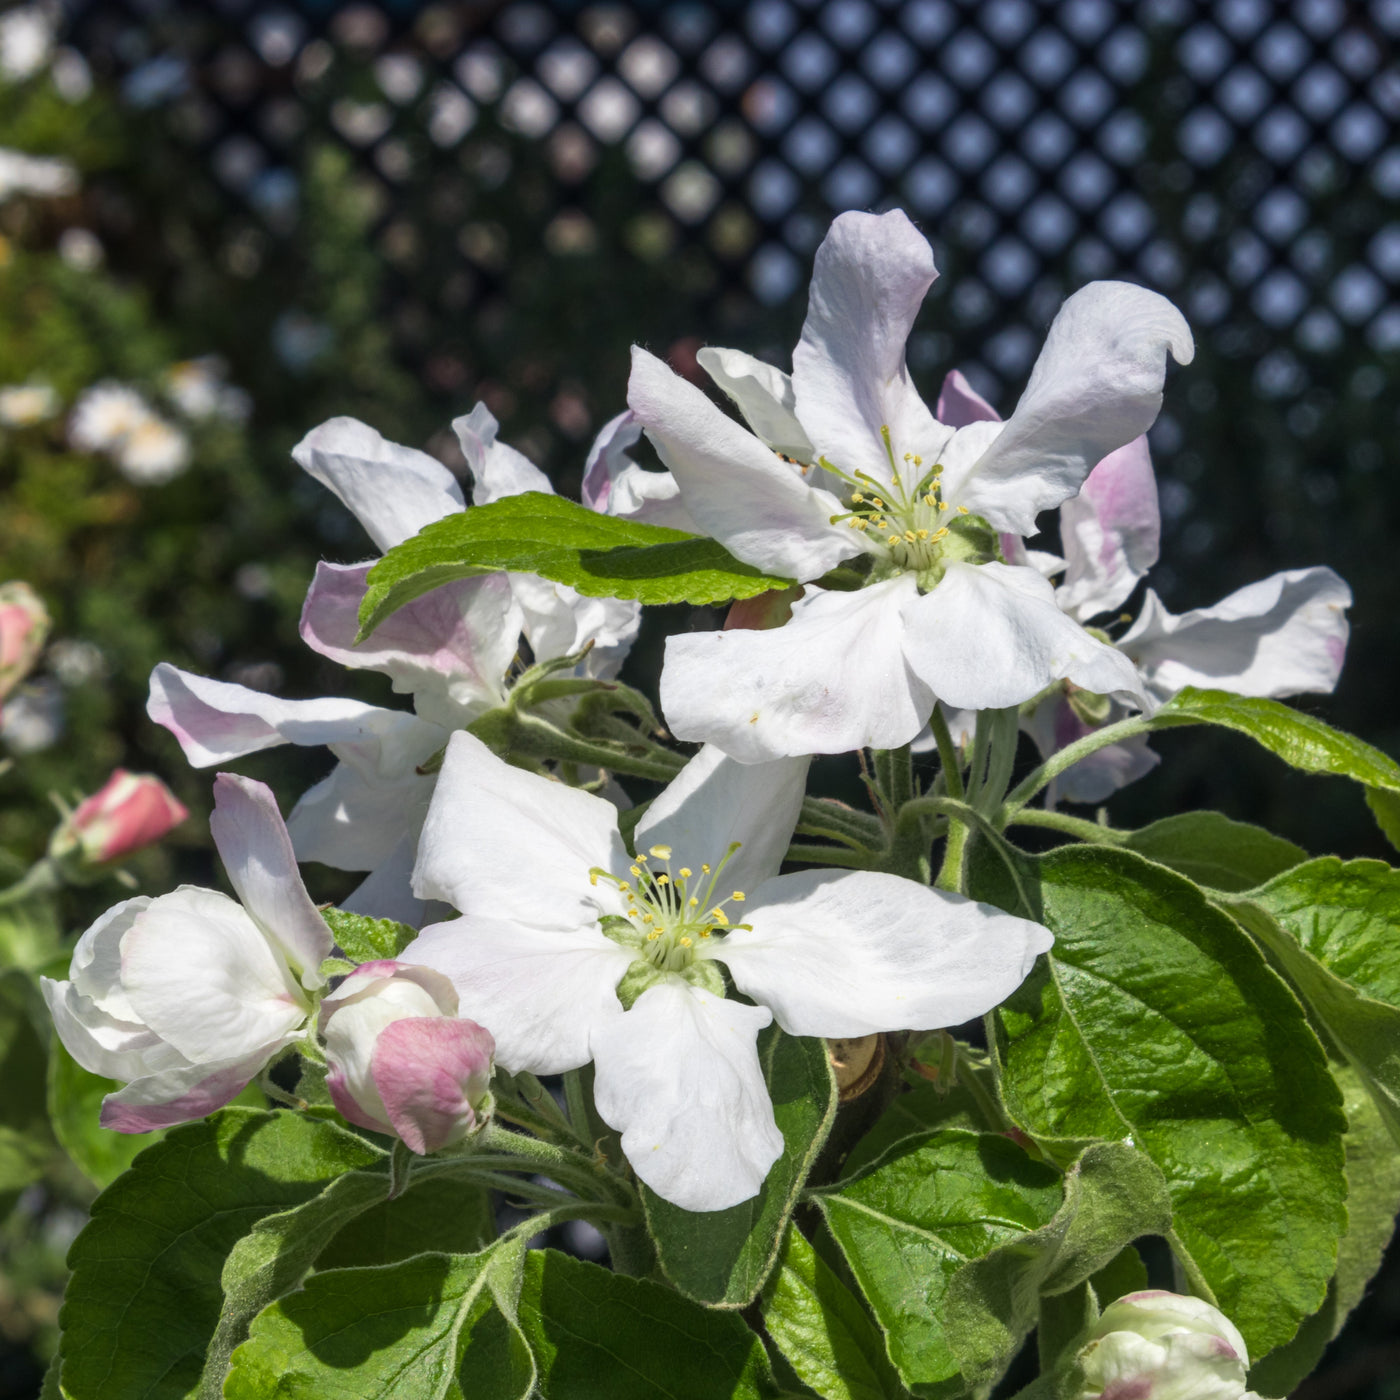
401 1060
129 811
24 627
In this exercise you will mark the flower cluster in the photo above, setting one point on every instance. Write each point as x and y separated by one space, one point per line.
554 927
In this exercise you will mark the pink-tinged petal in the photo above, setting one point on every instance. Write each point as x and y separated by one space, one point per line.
678 1075
848 371
849 954
541 993
499 840
431 1075
257 854
737 489
765 397
608 459
449 649
1285 635
830 680
715 801
392 491
24 628
990 636
960 404
1110 532
201 974
1053 724
127 813
415 990
181 1095
497 470
216 721
1095 387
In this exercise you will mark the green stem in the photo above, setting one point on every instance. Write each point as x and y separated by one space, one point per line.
542 1102
576 1096
539 739
992 1112
836 817
947 752
1095 832
573 1169
901 787
1068 756
1003 735
40 879
950 874
830 855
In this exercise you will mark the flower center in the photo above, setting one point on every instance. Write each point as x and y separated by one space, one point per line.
671 913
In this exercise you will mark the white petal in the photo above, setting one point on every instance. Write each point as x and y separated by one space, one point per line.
1285 635
387 892
1053 724
560 621
503 843
848 370
392 491
654 498
351 818
991 635
183 1093
960 404
764 395
679 1076
449 649
830 680
102 1043
199 972
257 853
96 965
216 721
714 801
1096 386
848 954
736 489
497 470
542 993
1110 532
608 459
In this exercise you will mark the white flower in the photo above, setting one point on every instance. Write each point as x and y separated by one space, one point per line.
115 419
23 405
845 462
558 922
1163 1346
153 453
188 995
26 41
1284 635
44 175
199 388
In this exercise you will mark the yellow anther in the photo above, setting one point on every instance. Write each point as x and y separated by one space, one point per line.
877 503
642 857
923 534
653 936
893 539
717 916
962 510
593 877
737 896
930 499
636 870
660 852
910 536
685 872
909 457
940 533
648 919
685 942
857 498
918 461
663 879
692 901
624 886
704 869
943 505
704 933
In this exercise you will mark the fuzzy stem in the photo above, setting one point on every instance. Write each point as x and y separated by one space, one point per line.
947 752
830 855
1067 757
1095 832
1003 734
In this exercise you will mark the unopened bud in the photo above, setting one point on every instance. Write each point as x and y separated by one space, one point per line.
24 628
130 811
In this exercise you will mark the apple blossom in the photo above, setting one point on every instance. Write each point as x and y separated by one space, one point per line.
568 949
188 995
128 812
41 175
400 1061
23 405
24 628
1163 1346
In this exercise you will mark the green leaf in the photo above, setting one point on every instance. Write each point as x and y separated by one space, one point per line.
75 1103
1064 1318
145 1295
600 555
1334 927
363 939
822 1328
597 1335
920 1109
393 1333
1155 1017
1212 850
907 1224
436 1213
1297 738
26 1140
722 1257
1112 1194
1385 807
1123 1274
30 936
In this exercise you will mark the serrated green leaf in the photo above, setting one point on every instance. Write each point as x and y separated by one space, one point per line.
722 1257
1385 807
1155 1017
600 555
442 1214
907 1224
1298 739
1112 1194
363 939
823 1330
75 1103
392 1333
145 1295
597 1335
1212 850
1334 927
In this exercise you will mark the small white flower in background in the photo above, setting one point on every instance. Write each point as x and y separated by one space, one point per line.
1284 635
23 405
845 460
400 1059
76 661
113 418
81 249
32 719
199 388
26 41
24 628
153 453
41 175
187 996
1163 1346
570 950
128 812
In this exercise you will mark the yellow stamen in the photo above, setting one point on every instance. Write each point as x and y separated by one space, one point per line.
692 901
685 943
685 872
918 461
923 534
893 539
910 536
653 936
962 510
737 896
717 916
661 852
943 505
704 869
940 533
636 870
663 879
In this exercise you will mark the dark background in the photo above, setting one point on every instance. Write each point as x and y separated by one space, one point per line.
395 210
